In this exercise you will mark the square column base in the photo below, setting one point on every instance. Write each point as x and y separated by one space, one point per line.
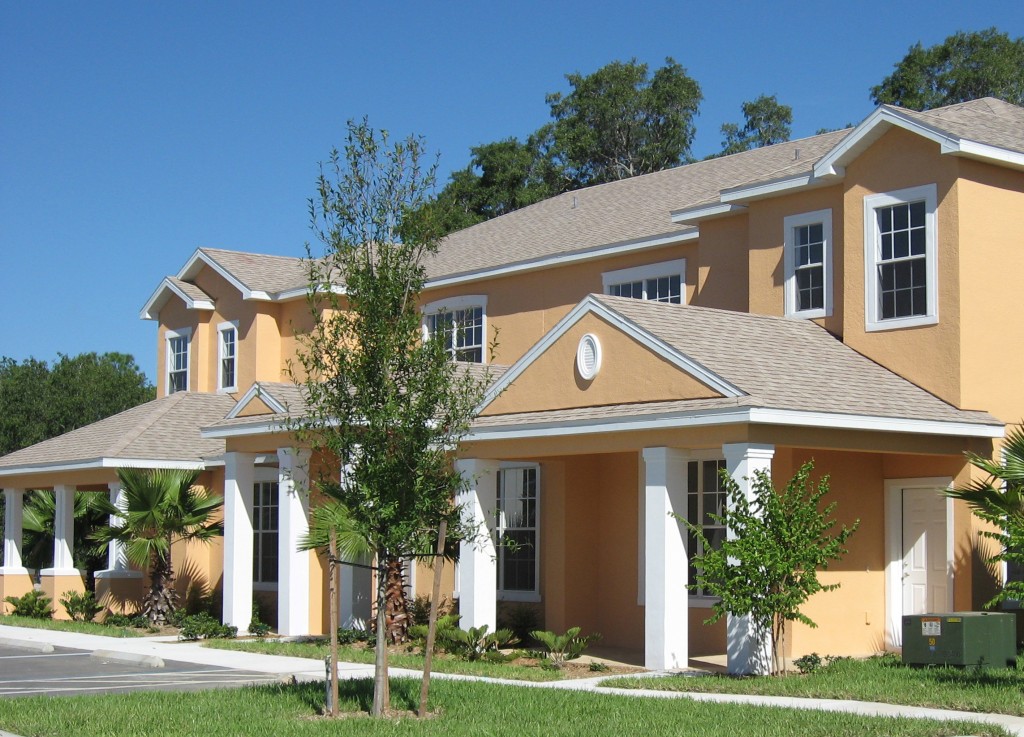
56 582
14 582
121 592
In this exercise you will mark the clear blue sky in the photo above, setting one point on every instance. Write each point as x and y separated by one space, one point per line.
133 133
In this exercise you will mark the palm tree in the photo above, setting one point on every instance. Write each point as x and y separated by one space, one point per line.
999 499
38 525
163 506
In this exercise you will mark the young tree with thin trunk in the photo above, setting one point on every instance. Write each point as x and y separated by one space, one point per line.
768 566
389 405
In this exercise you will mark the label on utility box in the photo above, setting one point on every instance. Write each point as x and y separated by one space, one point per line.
931 627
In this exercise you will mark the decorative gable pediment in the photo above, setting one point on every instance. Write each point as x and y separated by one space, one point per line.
634 367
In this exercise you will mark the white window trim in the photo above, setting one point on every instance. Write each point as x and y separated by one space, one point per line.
872 255
791 223
524 596
185 333
221 328
701 601
676 267
266 475
451 304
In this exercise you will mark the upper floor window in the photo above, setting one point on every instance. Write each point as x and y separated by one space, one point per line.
227 349
662 282
177 360
901 273
705 498
461 323
518 559
808 262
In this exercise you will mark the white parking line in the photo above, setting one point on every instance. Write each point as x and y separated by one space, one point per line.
132 686
44 655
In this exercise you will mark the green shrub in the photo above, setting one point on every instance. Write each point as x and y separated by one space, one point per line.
561 648
139 621
812 662
259 629
596 667
81 607
419 609
418 632
522 619
33 604
199 626
476 643
347 636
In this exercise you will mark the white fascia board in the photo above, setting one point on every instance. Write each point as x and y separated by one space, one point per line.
987 153
884 117
151 310
192 266
300 292
545 262
705 212
254 392
261 427
768 189
762 416
591 305
751 415
99 463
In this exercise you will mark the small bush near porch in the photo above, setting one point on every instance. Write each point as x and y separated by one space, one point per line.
883 678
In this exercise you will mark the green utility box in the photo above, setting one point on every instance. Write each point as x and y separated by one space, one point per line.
985 639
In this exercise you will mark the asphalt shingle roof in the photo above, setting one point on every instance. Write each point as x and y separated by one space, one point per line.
166 429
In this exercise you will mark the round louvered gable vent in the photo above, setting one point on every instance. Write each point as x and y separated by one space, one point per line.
588 356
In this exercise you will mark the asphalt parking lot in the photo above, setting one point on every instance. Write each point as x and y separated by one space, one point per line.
68 672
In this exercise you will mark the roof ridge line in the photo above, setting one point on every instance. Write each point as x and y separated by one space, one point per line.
147 422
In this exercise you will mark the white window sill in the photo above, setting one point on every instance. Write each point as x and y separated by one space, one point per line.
525 596
898 323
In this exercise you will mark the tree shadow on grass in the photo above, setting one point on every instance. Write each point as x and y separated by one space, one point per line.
356 694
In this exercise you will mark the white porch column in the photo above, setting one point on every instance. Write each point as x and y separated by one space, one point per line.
13 533
117 562
666 601
293 522
478 561
747 653
63 532
239 476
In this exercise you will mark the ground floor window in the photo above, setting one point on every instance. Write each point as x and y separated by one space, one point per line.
264 532
518 558
705 497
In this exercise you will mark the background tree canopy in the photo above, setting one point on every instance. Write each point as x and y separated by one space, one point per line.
38 401
767 122
966 66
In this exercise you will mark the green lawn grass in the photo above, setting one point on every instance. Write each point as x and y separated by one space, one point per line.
88 628
465 709
883 679
442 663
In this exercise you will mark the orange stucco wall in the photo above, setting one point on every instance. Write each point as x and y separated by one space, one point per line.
927 355
630 372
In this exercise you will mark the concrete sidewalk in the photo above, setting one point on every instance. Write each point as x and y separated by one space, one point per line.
309 669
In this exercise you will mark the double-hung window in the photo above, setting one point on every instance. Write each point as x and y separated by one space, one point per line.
661 282
705 497
227 351
901 271
518 559
808 263
264 533
461 324
177 360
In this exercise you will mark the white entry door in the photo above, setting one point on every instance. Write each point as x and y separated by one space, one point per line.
925 565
